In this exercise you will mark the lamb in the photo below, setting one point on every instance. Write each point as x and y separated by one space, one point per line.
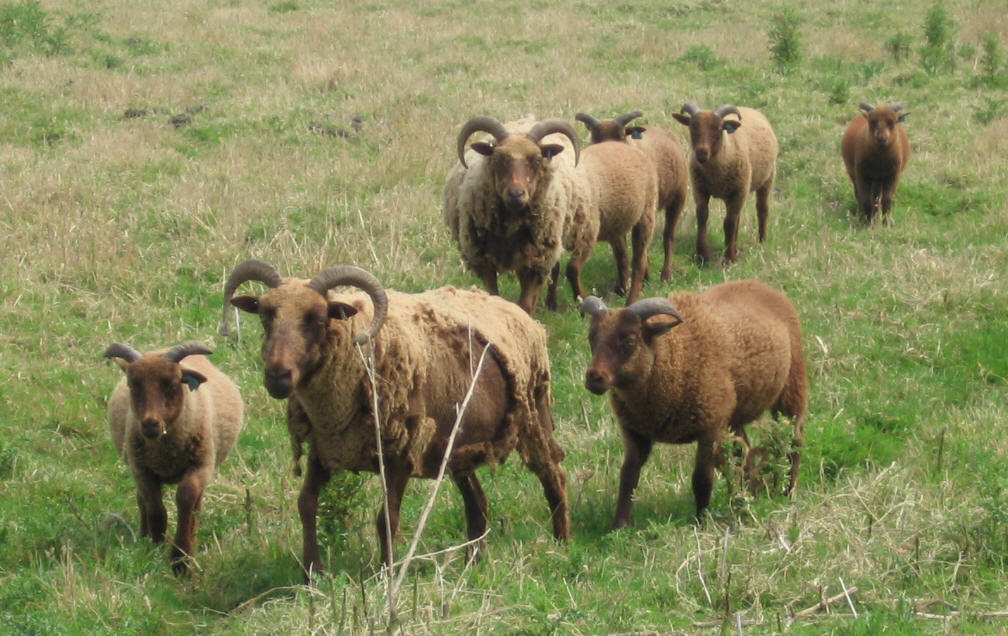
515 203
665 151
425 349
693 366
875 152
168 435
731 158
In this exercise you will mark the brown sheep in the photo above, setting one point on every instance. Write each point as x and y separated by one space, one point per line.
174 417
425 349
875 151
669 158
731 158
694 367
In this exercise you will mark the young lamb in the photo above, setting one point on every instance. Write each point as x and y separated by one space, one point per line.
625 192
875 151
174 417
514 204
731 158
426 348
669 158
691 368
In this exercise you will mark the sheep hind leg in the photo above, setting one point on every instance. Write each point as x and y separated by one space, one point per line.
763 209
641 236
619 252
476 511
703 475
636 450
794 455
672 213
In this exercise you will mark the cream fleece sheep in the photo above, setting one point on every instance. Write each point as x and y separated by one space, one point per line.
691 368
734 153
426 347
174 417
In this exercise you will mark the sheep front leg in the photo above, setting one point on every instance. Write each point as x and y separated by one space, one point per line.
189 500
531 282
551 288
316 478
636 450
703 474
702 211
488 274
886 200
476 511
397 474
733 211
153 516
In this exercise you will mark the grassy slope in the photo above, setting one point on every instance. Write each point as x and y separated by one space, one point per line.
120 228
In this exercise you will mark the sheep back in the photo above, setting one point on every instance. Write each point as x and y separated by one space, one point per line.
669 158
625 184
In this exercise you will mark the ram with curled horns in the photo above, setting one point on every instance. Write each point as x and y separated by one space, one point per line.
316 347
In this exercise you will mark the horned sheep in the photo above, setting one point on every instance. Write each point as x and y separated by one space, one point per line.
170 435
425 348
731 158
692 368
515 203
875 151
665 151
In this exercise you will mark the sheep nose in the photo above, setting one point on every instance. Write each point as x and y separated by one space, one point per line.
151 427
596 382
279 383
515 196
702 155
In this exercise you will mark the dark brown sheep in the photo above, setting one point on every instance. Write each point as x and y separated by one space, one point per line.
425 349
875 151
694 368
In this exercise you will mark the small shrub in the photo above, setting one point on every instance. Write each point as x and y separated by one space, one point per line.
992 109
937 53
898 46
24 25
701 56
992 61
786 41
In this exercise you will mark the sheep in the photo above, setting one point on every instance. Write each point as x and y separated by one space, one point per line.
167 435
691 367
731 158
875 151
515 203
665 151
425 349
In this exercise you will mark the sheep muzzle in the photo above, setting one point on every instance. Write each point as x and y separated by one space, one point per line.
279 382
152 428
597 382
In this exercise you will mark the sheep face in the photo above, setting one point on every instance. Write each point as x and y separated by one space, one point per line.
295 320
156 387
517 164
707 130
882 124
621 342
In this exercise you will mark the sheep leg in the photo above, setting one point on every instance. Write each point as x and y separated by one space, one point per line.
641 236
554 482
763 209
315 479
636 450
797 442
866 201
397 474
702 211
189 500
672 213
551 289
488 274
153 516
703 474
476 511
733 211
886 200
579 256
531 282
619 252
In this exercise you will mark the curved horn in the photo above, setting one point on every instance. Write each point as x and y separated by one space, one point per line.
251 269
556 125
649 307
190 348
593 306
479 124
124 351
727 109
867 107
588 121
351 275
690 109
629 117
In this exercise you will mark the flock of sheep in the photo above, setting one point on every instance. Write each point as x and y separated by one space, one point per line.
446 381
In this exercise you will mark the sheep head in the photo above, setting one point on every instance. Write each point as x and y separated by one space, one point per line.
298 318
516 161
608 129
707 128
882 122
621 340
155 383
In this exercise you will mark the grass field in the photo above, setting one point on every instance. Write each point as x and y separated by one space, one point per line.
147 149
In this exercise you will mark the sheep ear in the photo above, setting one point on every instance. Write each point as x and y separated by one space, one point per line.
551 150
483 148
730 125
902 117
246 303
682 119
636 132
192 378
654 328
341 311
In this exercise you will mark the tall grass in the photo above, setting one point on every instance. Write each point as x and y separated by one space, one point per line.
147 149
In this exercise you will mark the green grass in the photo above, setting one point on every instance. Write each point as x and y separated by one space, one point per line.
122 228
